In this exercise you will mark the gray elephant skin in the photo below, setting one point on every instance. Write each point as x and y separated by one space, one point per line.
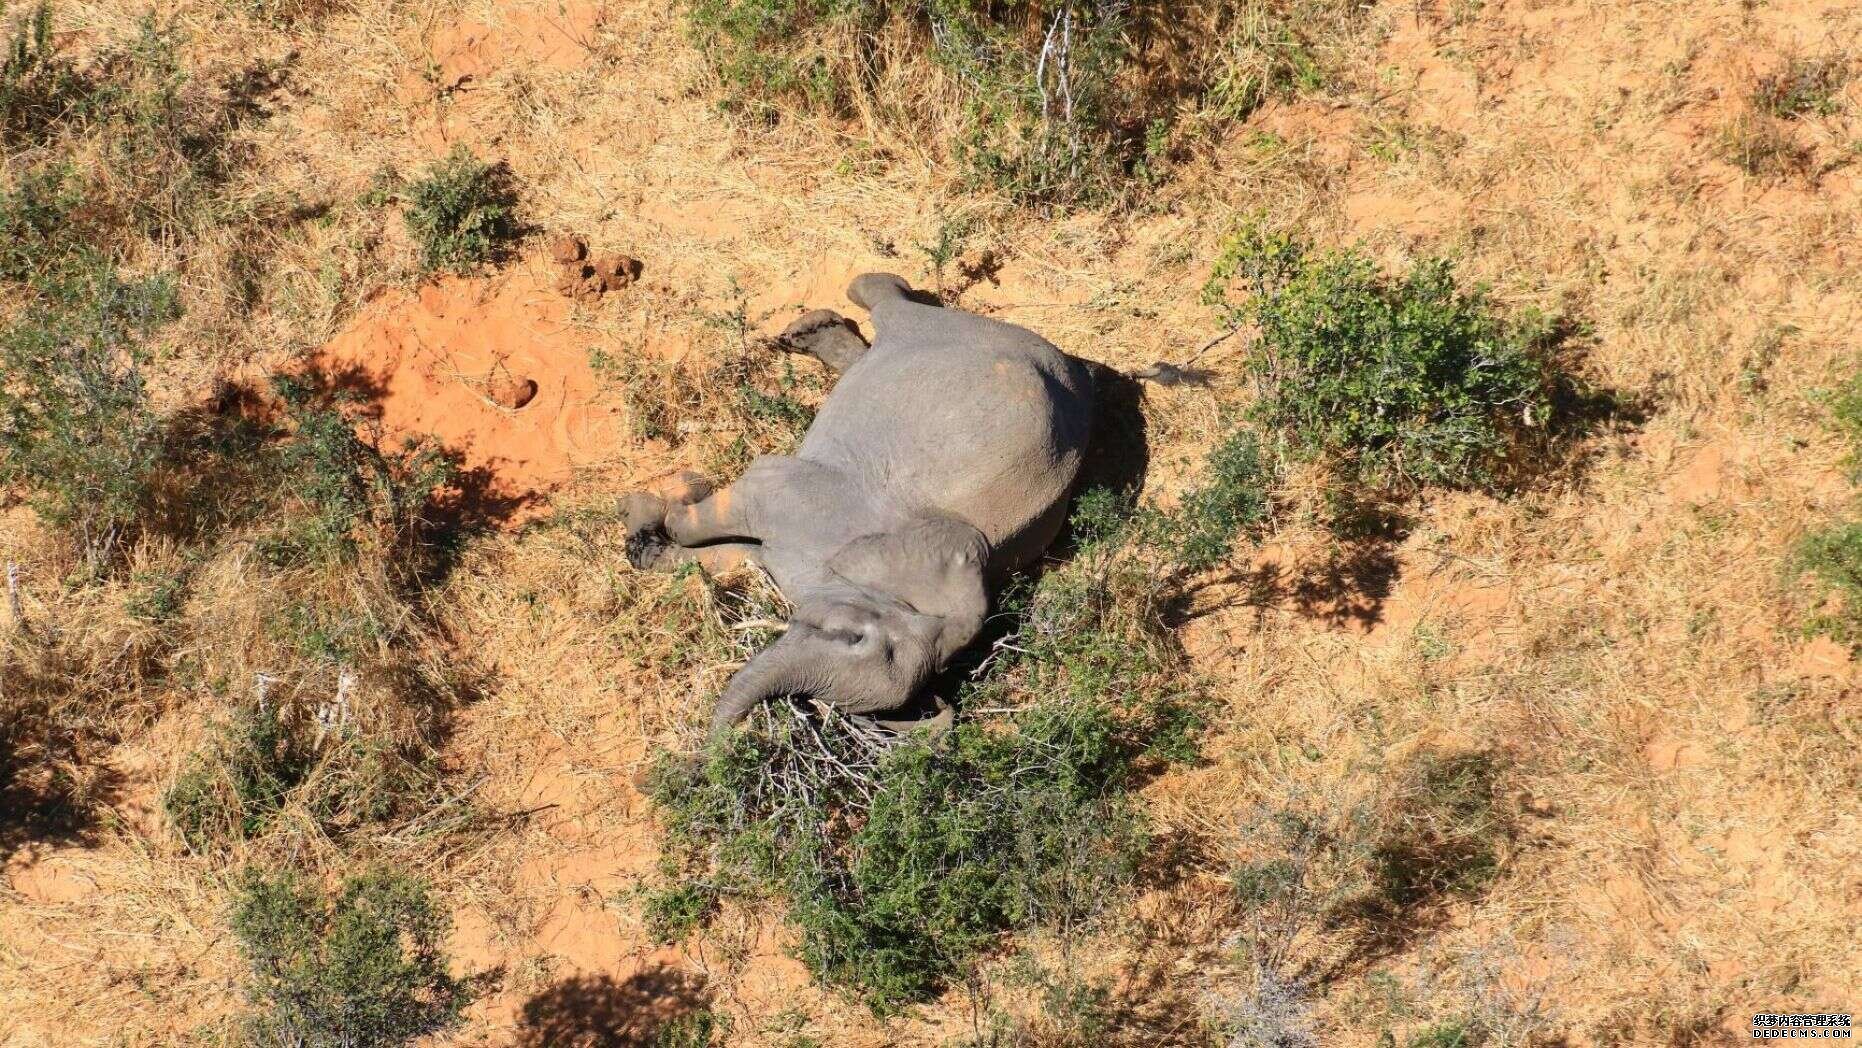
942 460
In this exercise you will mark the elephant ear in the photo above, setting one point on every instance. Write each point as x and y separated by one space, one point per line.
935 564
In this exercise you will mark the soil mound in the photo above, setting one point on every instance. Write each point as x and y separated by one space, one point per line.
490 368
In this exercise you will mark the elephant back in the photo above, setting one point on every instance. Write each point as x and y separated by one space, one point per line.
970 416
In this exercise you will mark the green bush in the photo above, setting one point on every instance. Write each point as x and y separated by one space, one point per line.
36 235
76 428
1400 381
233 789
1231 500
362 966
350 489
462 212
37 86
260 762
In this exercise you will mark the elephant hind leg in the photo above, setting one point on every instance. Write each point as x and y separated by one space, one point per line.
720 559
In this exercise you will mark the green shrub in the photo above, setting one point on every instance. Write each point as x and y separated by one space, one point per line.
36 235
1399 381
361 966
351 489
260 762
698 1029
37 86
233 789
76 428
462 212
1231 500
677 910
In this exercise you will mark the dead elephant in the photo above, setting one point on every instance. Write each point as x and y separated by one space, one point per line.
941 461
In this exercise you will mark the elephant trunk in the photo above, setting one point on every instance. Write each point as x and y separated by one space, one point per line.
777 671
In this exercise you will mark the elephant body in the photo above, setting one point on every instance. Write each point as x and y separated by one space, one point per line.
941 461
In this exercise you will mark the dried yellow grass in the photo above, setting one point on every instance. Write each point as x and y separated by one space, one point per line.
1682 765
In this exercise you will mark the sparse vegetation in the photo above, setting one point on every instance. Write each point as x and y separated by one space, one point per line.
362 965
1399 381
75 423
1050 102
462 212
1804 87
1760 144
262 761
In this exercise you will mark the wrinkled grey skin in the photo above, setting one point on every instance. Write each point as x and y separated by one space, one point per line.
941 461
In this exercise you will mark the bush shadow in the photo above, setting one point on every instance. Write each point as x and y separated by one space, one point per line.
597 1011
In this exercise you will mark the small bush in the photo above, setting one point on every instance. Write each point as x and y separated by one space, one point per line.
232 791
349 489
698 1029
38 87
1398 381
462 212
361 966
1805 86
75 423
677 910
261 761
1231 500
36 234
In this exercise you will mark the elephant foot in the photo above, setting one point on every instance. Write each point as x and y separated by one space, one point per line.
825 335
644 514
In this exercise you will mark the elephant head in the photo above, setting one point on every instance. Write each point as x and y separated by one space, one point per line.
895 607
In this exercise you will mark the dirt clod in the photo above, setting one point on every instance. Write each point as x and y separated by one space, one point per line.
568 249
511 391
616 271
585 279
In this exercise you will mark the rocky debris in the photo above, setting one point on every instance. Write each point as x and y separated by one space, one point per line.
510 391
585 279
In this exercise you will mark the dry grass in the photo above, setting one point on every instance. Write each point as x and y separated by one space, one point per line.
1676 761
